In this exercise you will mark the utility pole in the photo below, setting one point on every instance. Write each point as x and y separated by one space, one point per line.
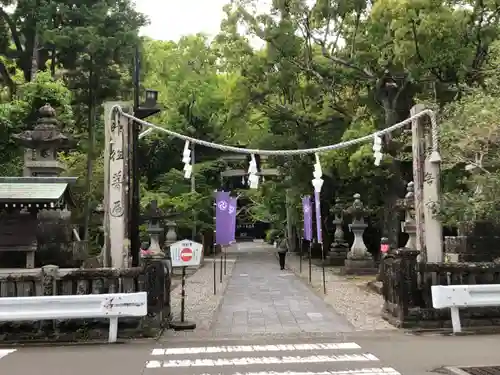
134 181
141 111
193 190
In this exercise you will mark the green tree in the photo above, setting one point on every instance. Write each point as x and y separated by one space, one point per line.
367 64
194 96
21 112
469 142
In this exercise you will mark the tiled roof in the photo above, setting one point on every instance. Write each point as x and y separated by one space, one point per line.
26 191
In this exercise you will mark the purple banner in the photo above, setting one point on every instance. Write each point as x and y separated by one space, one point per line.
317 204
222 219
306 208
233 205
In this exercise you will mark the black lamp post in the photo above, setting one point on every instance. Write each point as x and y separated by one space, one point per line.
141 111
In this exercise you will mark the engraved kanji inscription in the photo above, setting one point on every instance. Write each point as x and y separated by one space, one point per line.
116 127
428 179
117 180
117 209
116 154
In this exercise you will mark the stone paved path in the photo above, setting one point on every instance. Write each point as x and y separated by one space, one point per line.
260 298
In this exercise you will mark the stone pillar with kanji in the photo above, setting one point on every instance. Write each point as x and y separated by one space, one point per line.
116 185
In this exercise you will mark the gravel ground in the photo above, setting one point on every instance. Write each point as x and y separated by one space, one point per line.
201 303
361 307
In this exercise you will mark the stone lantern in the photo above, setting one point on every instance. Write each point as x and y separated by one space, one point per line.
171 235
358 257
99 211
154 216
339 247
42 144
409 225
36 215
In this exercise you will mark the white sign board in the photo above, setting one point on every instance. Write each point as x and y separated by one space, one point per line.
186 253
126 304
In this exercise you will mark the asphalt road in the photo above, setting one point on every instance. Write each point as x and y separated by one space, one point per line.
376 353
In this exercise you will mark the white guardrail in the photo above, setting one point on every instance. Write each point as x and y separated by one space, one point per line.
86 306
455 297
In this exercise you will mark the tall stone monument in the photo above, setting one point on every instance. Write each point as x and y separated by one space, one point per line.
116 195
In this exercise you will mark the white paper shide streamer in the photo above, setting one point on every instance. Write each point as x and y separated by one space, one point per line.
253 178
318 173
377 149
186 159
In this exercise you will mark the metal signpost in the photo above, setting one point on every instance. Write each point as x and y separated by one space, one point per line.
301 255
221 263
310 261
185 253
215 244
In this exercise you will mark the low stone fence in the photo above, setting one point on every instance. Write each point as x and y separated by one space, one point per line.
153 278
407 291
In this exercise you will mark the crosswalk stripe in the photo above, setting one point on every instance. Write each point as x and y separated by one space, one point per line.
363 371
255 348
262 360
6 352
329 358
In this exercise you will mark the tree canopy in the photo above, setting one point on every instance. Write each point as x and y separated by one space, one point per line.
299 74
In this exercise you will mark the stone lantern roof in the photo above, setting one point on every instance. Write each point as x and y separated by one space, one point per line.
46 133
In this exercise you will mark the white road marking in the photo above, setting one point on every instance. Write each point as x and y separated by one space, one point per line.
362 371
315 316
256 348
6 352
245 361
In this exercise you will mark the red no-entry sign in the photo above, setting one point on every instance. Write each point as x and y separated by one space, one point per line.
186 254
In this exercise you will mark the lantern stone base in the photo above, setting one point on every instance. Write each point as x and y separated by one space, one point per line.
337 256
364 266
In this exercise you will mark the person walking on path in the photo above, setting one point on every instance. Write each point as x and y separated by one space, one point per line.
282 250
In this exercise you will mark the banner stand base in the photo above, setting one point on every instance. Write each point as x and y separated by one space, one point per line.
182 326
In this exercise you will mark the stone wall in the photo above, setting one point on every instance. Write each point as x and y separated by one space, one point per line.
50 280
408 298
472 248
476 242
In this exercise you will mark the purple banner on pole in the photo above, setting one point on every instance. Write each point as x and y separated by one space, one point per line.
222 219
306 208
233 204
317 204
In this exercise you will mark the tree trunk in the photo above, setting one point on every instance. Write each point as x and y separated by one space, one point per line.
34 57
90 152
391 224
53 63
290 221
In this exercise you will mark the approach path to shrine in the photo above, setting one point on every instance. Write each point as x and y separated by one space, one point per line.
262 321
260 298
